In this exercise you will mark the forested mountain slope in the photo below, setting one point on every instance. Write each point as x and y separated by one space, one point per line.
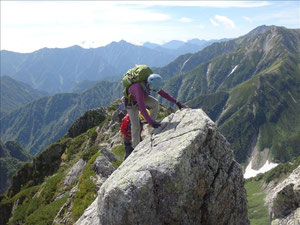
12 156
45 120
262 79
14 94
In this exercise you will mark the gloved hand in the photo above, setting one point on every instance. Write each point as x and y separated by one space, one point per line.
156 124
180 106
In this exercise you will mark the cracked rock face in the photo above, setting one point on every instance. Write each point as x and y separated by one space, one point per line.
181 174
74 172
284 200
103 167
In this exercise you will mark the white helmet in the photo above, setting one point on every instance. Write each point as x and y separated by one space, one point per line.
155 82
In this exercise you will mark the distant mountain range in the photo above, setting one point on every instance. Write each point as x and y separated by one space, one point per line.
14 94
180 47
61 70
249 85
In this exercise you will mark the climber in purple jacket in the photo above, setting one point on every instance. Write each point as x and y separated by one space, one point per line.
140 96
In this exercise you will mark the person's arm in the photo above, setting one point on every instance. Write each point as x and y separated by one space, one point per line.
138 92
167 96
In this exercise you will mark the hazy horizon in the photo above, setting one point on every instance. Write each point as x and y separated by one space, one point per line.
27 26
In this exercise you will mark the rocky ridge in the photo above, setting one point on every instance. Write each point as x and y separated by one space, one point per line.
183 173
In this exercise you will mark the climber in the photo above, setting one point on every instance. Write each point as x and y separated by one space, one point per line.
139 97
122 110
126 131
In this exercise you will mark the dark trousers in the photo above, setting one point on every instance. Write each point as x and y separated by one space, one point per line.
128 148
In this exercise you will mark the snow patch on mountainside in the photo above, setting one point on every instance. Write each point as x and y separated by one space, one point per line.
184 64
252 173
292 97
233 70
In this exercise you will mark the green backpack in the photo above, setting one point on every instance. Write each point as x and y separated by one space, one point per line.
137 74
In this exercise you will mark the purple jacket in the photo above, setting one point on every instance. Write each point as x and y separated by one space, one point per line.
139 95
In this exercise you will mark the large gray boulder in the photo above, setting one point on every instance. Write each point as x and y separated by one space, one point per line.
284 200
183 173
103 167
90 215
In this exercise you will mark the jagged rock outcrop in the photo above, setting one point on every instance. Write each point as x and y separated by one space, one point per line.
64 214
108 154
88 120
74 172
46 163
104 168
183 173
284 200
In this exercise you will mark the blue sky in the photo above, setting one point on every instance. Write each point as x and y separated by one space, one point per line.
27 26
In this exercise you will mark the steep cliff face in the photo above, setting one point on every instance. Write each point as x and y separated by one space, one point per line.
284 200
183 173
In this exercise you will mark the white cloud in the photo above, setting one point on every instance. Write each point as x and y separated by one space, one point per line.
228 23
212 4
40 12
288 16
185 20
131 15
201 26
30 25
247 19
27 26
214 22
56 12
